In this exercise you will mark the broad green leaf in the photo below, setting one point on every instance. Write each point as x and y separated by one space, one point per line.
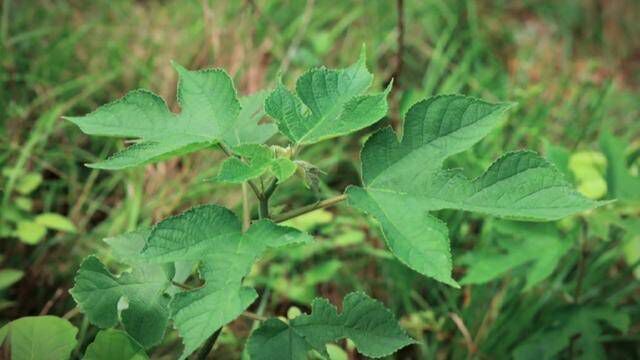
9 277
213 235
539 247
30 232
39 337
56 222
258 159
114 344
581 323
328 103
212 230
622 185
209 114
199 313
404 180
99 294
248 129
364 320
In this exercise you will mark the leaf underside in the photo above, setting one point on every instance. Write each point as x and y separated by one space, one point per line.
403 180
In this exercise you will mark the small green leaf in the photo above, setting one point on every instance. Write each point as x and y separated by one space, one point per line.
56 222
9 277
30 232
258 159
209 114
98 294
39 337
114 344
364 320
404 180
329 103
28 183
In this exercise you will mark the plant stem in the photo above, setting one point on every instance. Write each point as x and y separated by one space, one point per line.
263 209
264 200
309 208
206 348
246 210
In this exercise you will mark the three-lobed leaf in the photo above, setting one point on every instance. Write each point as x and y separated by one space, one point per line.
211 112
364 320
213 235
403 180
328 103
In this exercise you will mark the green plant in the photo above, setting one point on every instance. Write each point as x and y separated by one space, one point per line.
402 181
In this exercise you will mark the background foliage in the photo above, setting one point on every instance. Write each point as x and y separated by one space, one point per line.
569 288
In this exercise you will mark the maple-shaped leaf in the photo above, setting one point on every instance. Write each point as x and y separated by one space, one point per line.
403 180
328 103
365 321
100 296
536 246
213 235
209 113
256 160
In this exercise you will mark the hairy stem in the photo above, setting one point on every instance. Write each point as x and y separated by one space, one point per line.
309 208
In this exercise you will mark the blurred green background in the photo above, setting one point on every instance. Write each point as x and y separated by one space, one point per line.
572 65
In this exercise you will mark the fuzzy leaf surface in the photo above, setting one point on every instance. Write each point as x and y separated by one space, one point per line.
98 293
258 160
209 114
365 321
213 235
403 180
328 103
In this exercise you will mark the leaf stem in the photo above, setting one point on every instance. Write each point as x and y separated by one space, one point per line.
254 316
309 208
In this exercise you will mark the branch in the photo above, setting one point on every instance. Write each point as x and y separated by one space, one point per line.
309 208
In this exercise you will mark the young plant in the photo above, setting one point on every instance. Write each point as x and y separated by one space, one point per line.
402 182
